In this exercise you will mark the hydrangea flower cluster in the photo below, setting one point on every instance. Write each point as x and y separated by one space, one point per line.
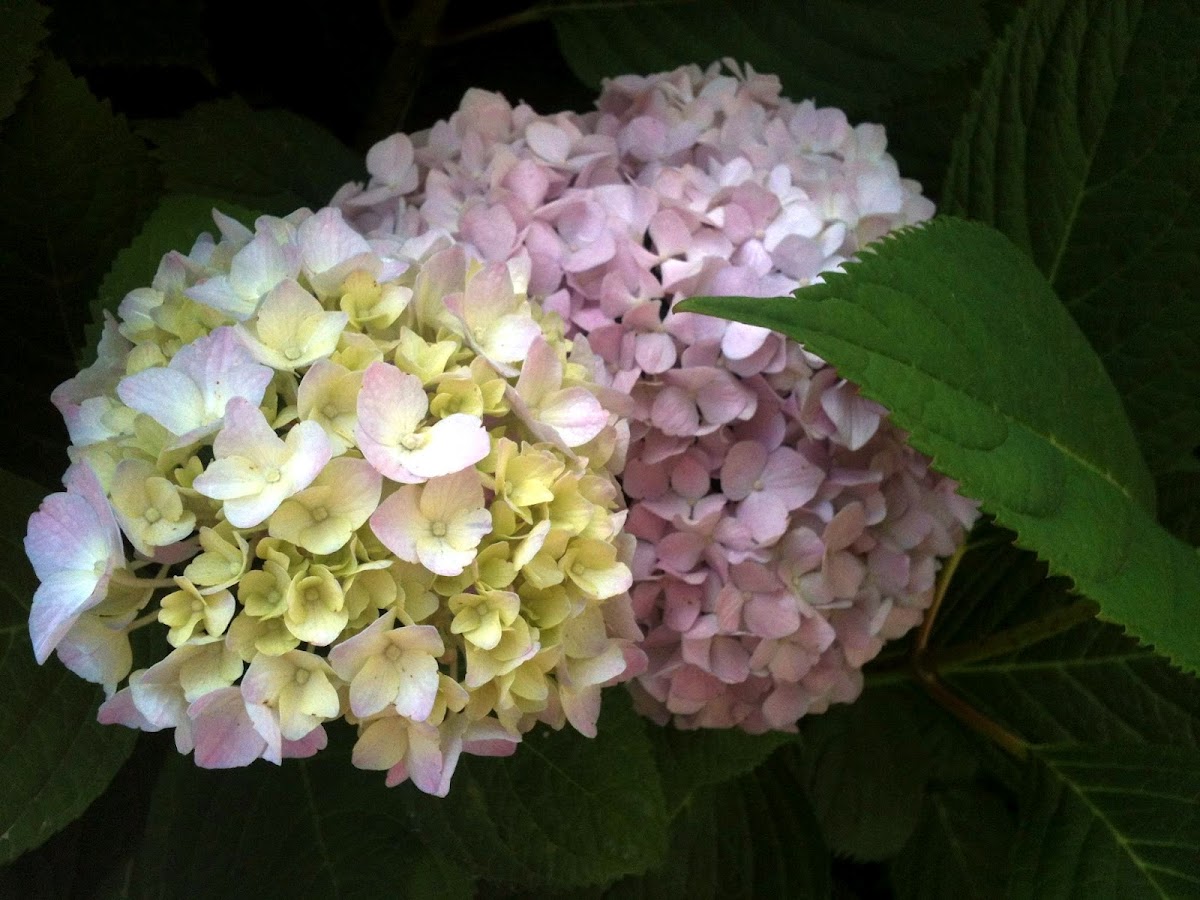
347 485
784 528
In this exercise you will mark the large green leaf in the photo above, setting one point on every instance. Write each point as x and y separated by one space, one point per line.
55 757
954 330
1083 146
857 54
960 848
270 160
75 184
1120 822
24 32
563 811
752 837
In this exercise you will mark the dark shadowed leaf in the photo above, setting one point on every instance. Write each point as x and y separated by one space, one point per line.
751 837
865 766
563 811
688 760
310 828
1113 821
960 848
1019 646
1082 146
76 185
270 160
856 54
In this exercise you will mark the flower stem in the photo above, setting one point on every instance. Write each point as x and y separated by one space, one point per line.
970 716
924 667
147 619
939 595
121 576
1017 638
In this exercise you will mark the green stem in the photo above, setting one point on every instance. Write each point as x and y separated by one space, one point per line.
145 620
925 669
1017 638
1008 641
128 579
970 716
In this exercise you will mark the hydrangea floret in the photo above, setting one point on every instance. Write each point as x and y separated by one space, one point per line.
785 530
340 484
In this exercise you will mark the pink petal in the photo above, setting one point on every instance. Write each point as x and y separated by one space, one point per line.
674 413
224 733
772 615
741 470
398 522
326 240
60 599
575 415
791 477
455 443
428 767
417 687
166 395
856 418
741 340
374 686
765 515
654 353
391 404
548 141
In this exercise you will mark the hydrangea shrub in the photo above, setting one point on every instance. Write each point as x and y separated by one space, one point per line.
349 486
784 529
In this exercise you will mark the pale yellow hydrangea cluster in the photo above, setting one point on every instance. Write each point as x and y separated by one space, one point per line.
354 486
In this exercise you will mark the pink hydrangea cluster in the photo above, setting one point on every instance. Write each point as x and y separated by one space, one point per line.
339 484
784 529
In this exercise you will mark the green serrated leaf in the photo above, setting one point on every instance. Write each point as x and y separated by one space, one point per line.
954 330
55 756
752 837
960 848
856 54
1082 680
131 34
24 33
688 760
309 828
563 811
1082 146
1120 822
174 225
76 185
271 160
865 767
